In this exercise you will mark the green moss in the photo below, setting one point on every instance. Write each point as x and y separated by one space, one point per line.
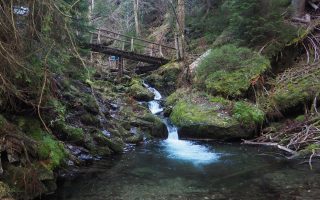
48 147
186 114
297 89
165 78
53 150
230 70
58 108
300 118
89 119
220 100
310 149
248 114
178 95
138 92
72 133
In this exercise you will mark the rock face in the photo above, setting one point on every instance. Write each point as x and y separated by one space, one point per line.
165 78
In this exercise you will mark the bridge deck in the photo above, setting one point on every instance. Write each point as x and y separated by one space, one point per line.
126 54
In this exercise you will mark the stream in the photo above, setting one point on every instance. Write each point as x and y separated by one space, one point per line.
178 169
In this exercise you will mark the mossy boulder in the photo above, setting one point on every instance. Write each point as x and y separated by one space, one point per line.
116 144
139 92
49 149
165 78
150 124
155 127
230 70
134 139
69 132
202 122
202 116
296 86
90 120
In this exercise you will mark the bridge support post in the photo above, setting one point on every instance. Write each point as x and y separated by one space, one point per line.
160 51
132 47
120 68
176 42
99 36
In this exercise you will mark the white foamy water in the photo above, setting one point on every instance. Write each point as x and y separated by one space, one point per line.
155 107
189 151
180 149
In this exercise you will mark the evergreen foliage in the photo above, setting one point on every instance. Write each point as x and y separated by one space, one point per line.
255 22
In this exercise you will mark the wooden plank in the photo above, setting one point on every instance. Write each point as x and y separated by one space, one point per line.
125 54
128 42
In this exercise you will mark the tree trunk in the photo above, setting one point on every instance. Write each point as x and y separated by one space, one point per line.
136 16
298 7
181 26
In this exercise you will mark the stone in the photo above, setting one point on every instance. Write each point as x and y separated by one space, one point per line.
140 93
200 119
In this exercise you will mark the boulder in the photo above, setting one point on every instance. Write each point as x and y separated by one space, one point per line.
165 78
139 92
151 125
199 121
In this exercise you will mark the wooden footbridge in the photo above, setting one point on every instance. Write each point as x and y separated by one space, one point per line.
125 47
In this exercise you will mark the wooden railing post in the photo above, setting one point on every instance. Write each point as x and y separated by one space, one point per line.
160 51
123 45
120 67
132 47
99 36
176 39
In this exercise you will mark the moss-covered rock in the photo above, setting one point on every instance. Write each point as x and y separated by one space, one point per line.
69 132
49 149
139 92
230 70
134 139
199 121
115 144
90 120
248 114
165 78
205 117
155 127
298 85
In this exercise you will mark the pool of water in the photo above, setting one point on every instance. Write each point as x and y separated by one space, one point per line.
178 169
157 171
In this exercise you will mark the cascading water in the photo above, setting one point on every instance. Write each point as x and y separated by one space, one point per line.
179 149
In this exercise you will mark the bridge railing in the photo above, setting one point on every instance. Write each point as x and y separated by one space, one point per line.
133 44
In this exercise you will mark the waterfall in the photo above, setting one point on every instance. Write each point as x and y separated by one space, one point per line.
179 149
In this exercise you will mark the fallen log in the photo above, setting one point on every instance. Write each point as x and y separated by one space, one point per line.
292 152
